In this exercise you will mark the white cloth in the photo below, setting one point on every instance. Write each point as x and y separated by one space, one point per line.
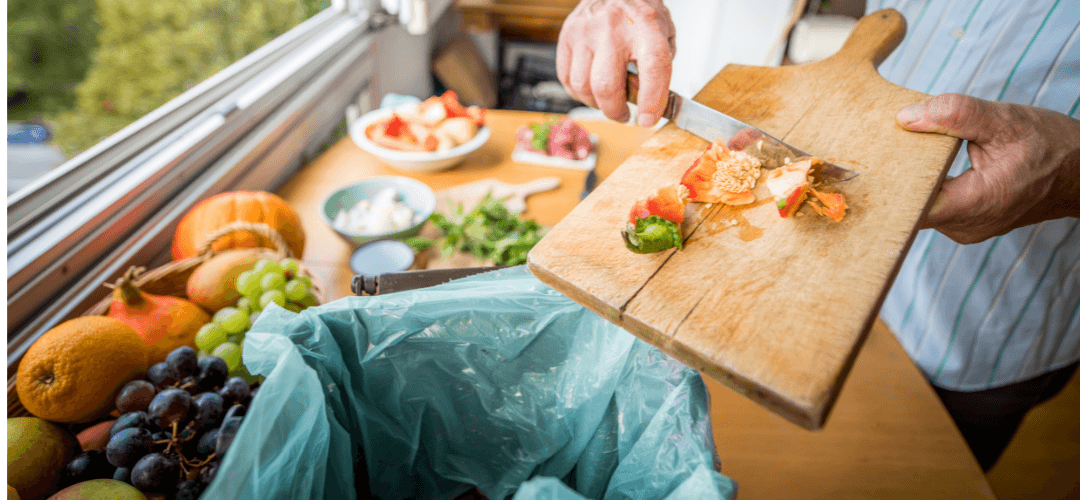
712 34
1007 309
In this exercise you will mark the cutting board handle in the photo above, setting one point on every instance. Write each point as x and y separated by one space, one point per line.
873 38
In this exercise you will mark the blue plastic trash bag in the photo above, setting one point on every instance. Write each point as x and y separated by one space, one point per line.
494 381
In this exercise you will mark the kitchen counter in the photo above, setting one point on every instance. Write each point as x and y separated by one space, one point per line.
887 437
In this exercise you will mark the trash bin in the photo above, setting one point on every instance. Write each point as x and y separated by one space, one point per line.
494 382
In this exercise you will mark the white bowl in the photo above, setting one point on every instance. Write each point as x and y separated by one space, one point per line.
410 160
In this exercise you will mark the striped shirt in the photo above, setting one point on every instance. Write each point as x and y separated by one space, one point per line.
1005 310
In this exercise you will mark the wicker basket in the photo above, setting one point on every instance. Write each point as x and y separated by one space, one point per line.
171 279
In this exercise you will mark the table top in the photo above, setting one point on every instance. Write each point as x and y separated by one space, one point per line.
887 437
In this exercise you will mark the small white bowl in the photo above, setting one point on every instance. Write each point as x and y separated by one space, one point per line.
409 160
414 193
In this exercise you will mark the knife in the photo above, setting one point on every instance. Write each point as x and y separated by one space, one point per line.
364 284
710 124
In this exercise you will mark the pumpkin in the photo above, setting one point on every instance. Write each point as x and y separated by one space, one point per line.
219 210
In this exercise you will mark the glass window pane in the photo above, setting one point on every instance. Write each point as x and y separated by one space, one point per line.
81 70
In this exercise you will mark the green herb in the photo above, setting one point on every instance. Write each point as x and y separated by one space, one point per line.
781 203
488 232
541 134
652 234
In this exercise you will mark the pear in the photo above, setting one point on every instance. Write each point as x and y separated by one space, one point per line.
99 489
37 451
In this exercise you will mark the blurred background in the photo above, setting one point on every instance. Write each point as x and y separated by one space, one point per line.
81 70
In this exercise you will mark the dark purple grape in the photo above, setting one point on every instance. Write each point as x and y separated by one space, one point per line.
226 433
135 419
128 446
212 373
183 360
188 490
208 472
161 436
235 411
162 375
251 397
155 473
135 396
91 464
187 434
122 474
209 408
170 407
207 442
235 390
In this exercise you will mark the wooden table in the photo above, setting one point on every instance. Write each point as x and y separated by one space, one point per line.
887 437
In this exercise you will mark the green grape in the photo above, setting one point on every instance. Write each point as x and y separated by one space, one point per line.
273 281
309 300
210 336
304 279
295 290
244 304
230 353
236 339
233 320
290 266
254 316
266 265
243 373
275 296
294 307
248 283
201 354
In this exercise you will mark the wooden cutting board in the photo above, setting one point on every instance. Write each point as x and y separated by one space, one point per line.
774 308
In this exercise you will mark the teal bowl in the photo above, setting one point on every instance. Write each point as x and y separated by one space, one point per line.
413 193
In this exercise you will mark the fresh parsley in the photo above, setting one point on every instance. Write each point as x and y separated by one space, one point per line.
488 232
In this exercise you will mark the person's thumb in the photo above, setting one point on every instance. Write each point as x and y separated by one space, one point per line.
960 197
956 115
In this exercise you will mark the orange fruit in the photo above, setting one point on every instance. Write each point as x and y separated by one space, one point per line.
74 371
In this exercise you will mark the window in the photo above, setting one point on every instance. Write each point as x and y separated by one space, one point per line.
248 126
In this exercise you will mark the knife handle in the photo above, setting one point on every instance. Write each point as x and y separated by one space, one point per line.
633 85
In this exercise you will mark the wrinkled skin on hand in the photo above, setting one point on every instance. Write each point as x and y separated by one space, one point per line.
596 42
1025 165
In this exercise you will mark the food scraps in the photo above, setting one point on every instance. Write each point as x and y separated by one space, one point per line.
437 124
722 175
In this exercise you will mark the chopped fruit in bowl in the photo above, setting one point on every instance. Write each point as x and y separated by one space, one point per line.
428 136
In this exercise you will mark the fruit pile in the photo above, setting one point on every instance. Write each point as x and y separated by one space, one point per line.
267 282
172 431
154 384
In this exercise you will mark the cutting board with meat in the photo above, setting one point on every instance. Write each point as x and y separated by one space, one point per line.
775 308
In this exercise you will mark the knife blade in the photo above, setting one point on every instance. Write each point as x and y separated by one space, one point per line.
364 284
711 125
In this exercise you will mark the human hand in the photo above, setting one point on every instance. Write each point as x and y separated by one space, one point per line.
596 42
1025 165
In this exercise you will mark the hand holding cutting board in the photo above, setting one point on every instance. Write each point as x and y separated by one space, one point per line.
1025 165
775 308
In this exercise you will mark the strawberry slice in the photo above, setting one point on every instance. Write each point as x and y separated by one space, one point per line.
453 106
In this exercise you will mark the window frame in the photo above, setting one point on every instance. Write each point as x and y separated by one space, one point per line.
250 127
